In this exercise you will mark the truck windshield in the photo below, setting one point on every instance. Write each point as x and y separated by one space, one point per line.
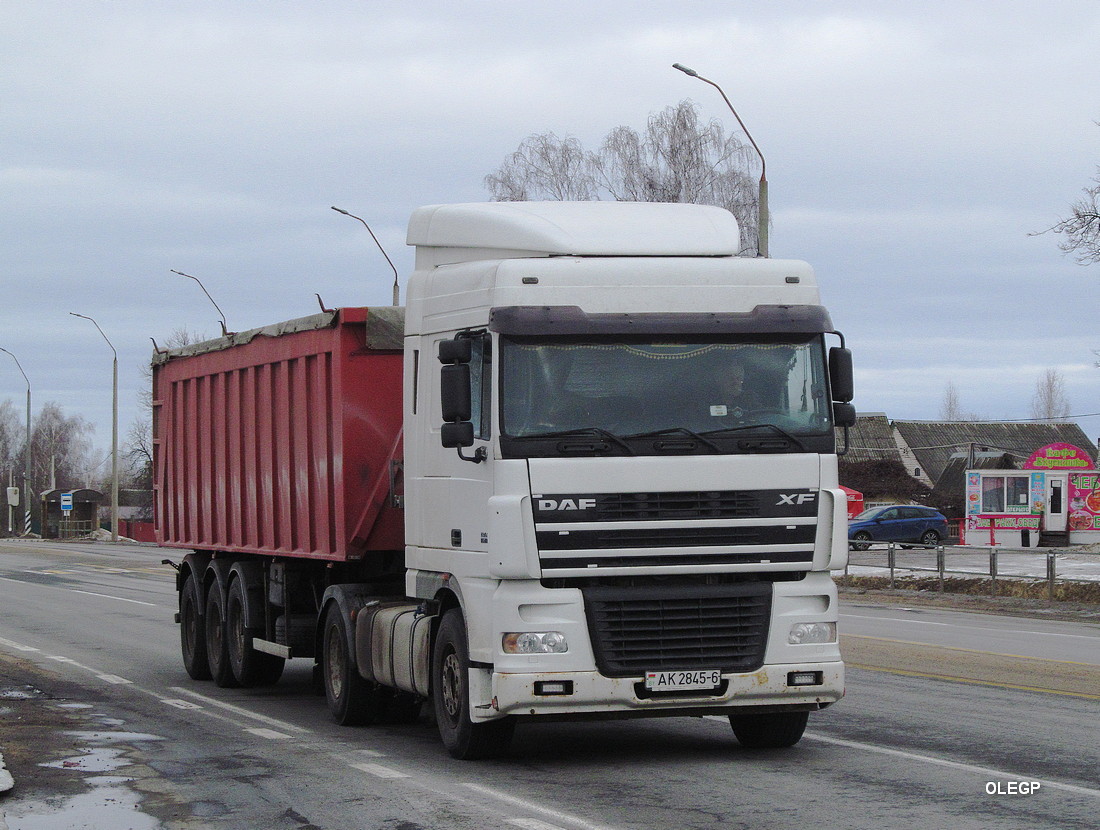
700 393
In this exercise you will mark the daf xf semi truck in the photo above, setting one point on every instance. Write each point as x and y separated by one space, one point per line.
588 471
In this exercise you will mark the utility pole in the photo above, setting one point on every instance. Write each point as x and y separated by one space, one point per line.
114 429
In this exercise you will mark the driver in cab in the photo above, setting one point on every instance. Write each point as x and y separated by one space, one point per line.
732 397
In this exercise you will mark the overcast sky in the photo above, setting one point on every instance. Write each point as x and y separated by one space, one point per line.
912 149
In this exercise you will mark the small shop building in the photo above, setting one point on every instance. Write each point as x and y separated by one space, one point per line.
1052 499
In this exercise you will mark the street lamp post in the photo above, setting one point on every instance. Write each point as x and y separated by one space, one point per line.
762 212
114 429
396 289
27 454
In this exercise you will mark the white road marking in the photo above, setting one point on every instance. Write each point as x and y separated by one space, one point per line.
239 710
379 771
943 762
68 660
115 679
119 599
917 621
532 824
77 591
17 646
270 734
558 815
179 704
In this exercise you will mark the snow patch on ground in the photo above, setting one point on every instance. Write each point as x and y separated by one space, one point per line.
6 781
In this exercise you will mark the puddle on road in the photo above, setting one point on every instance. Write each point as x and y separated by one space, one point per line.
110 801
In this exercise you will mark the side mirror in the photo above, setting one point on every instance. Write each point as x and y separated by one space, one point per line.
844 415
455 398
457 435
454 393
840 374
459 350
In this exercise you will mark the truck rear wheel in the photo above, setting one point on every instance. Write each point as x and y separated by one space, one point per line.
352 699
249 667
192 632
217 640
773 730
463 738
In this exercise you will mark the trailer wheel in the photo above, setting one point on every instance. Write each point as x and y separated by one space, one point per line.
352 699
773 730
249 667
217 640
192 632
463 738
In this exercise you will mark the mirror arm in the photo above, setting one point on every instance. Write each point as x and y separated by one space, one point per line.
480 454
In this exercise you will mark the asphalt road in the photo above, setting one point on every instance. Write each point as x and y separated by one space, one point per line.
951 720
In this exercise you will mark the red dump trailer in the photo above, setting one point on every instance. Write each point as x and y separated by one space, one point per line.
284 441
277 462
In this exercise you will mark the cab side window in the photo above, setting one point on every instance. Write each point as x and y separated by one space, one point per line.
481 385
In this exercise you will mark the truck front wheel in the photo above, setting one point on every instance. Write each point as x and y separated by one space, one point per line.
463 738
192 632
774 730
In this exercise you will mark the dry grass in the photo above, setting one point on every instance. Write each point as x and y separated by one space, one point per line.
1078 592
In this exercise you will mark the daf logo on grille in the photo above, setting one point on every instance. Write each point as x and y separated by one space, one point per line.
566 504
796 498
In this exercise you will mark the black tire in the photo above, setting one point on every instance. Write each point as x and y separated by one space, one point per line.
192 632
352 699
930 538
775 730
217 640
861 541
464 739
249 667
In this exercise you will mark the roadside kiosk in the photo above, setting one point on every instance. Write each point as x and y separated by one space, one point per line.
1054 499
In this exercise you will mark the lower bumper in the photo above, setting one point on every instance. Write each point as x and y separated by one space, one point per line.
592 693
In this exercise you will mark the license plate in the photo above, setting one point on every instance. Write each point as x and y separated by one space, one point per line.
680 681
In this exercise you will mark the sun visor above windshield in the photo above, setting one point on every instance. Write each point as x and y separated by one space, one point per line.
572 320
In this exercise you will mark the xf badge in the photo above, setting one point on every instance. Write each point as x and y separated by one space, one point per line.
795 498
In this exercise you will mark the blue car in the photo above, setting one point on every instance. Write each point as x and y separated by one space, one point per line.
900 523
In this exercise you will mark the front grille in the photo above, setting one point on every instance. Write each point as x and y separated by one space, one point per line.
674 505
675 537
708 504
635 630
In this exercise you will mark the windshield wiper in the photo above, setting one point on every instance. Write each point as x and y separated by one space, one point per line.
743 427
570 433
677 430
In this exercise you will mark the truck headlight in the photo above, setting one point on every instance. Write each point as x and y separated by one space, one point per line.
535 642
807 633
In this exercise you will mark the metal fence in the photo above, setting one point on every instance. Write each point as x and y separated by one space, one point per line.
990 563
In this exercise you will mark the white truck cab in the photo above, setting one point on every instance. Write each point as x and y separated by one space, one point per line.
621 490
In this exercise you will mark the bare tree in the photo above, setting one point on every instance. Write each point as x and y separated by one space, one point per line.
951 407
59 448
1050 402
12 437
676 159
545 167
138 446
1081 230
